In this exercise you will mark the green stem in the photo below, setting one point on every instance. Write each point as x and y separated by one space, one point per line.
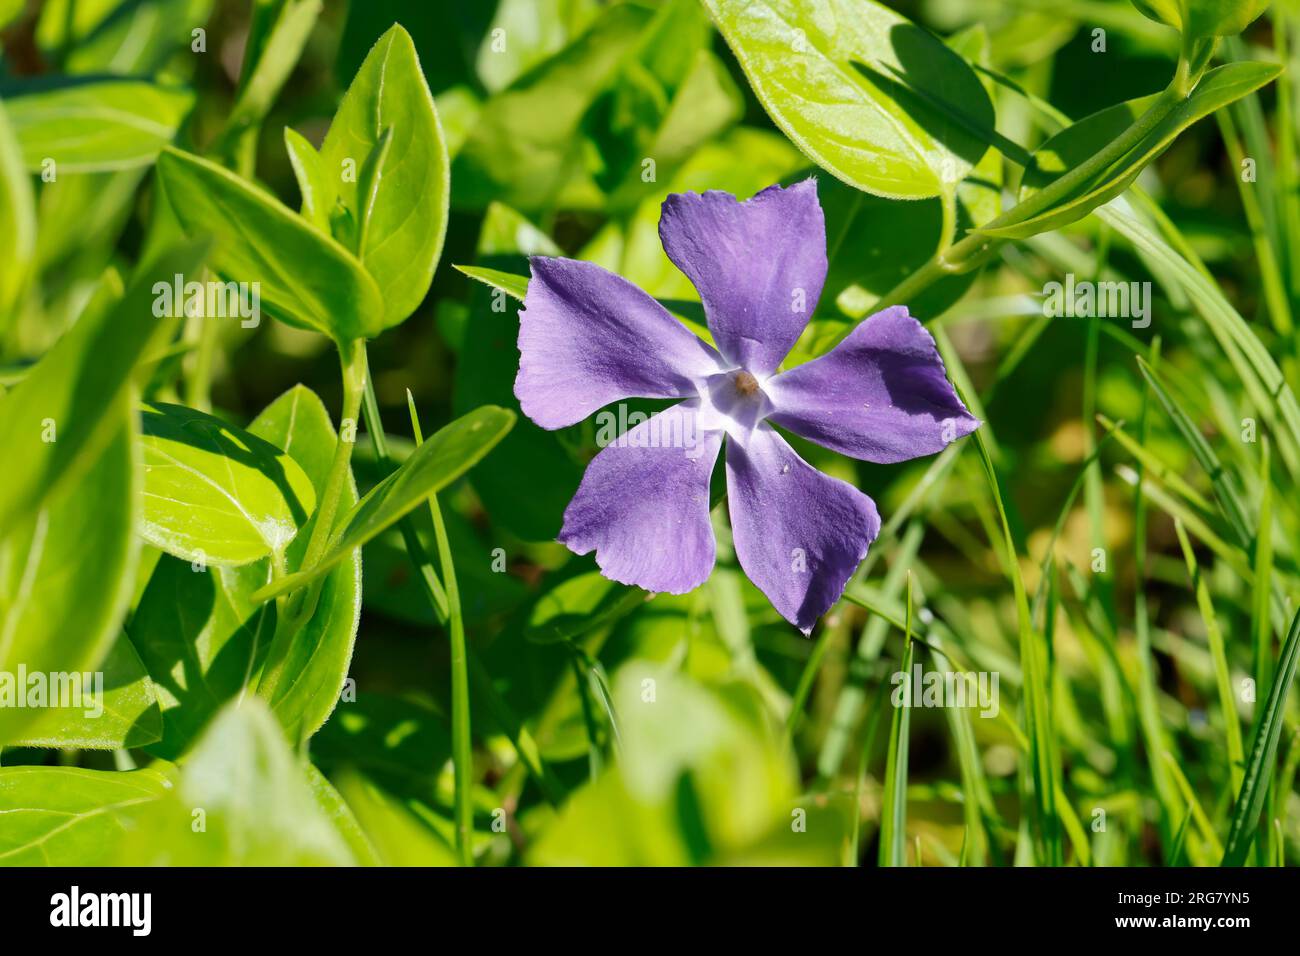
462 753
520 737
974 249
298 608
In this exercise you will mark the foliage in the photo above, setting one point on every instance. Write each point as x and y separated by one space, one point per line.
246 243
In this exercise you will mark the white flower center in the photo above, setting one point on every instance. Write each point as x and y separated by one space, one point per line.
734 401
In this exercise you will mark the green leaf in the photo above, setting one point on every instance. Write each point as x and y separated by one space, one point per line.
399 837
1204 18
1263 755
201 638
123 713
66 816
534 30
701 779
121 37
278 34
17 221
318 660
257 803
215 494
1077 143
580 605
204 638
10 10
893 810
399 743
444 457
311 183
525 147
65 410
341 815
96 126
66 575
406 221
305 278
515 286
878 129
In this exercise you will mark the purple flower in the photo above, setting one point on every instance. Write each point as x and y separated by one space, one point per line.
588 338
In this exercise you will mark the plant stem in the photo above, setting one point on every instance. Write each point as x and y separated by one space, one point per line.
297 609
520 737
462 753
973 249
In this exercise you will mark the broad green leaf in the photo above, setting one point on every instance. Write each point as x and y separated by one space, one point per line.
1077 143
215 494
700 779
96 126
399 837
201 638
257 803
523 33
407 219
66 574
65 410
305 277
444 457
307 170
204 638
318 660
1262 765
877 129
579 605
67 816
17 221
123 713
525 146
1204 18
673 98
122 37
341 815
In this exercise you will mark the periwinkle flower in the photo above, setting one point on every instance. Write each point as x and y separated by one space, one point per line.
588 338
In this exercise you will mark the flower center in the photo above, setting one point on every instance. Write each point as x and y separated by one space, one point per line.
745 383
734 401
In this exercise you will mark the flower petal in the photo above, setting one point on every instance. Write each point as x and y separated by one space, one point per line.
799 534
588 337
758 265
643 504
881 395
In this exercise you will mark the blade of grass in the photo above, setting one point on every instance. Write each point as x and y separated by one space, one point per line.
1225 489
1198 811
1222 676
462 750
893 812
1035 686
1263 753
1255 367
1154 737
